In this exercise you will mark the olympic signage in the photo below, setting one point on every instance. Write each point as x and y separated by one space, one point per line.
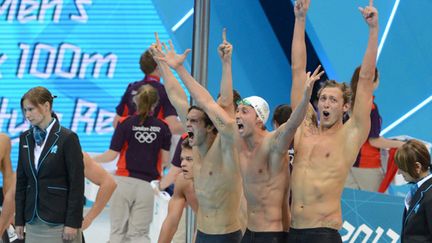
84 51
371 217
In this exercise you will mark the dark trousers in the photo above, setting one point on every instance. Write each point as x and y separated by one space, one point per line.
263 237
314 235
234 237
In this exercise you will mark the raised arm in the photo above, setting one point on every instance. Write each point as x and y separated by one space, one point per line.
298 52
226 88
175 92
221 119
285 133
8 209
363 102
106 183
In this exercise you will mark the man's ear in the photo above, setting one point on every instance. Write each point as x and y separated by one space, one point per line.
210 128
259 122
346 107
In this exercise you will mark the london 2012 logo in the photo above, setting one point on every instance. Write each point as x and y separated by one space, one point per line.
145 137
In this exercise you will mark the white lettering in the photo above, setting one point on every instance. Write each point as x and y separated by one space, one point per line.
31 10
46 73
82 16
3 58
46 5
98 60
104 122
84 113
26 11
11 5
76 55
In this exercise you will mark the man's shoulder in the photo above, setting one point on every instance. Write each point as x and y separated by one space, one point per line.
181 183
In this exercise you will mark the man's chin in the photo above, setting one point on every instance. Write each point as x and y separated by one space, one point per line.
326 124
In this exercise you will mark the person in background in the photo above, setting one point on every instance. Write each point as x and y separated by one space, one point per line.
280 115
163 110
414 163
143 142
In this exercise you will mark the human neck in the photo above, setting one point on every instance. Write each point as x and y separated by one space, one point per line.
45 123
423 175
332 128
256 138
204 147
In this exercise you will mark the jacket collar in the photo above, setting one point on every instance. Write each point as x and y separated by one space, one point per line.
418 196
51 142
50 146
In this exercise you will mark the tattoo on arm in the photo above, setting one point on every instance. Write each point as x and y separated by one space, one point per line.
219 122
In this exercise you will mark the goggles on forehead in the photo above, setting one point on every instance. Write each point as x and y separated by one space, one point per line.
243 102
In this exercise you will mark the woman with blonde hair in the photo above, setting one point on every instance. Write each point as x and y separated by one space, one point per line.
143 143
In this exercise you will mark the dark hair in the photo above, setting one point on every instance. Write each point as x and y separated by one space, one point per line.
206 118
354 81
346 91
281 114
185 144
236 98
147 63
38 96
410 152
145 100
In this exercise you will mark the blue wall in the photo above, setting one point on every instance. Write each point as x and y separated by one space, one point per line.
339 36
259 64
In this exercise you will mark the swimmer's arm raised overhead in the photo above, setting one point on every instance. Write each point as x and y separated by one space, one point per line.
298 52
224 123
175 92
225 50
360 122
285 133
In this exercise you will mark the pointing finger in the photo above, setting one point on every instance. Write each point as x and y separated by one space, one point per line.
224 35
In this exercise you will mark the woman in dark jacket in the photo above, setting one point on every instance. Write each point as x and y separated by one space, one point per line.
50 175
